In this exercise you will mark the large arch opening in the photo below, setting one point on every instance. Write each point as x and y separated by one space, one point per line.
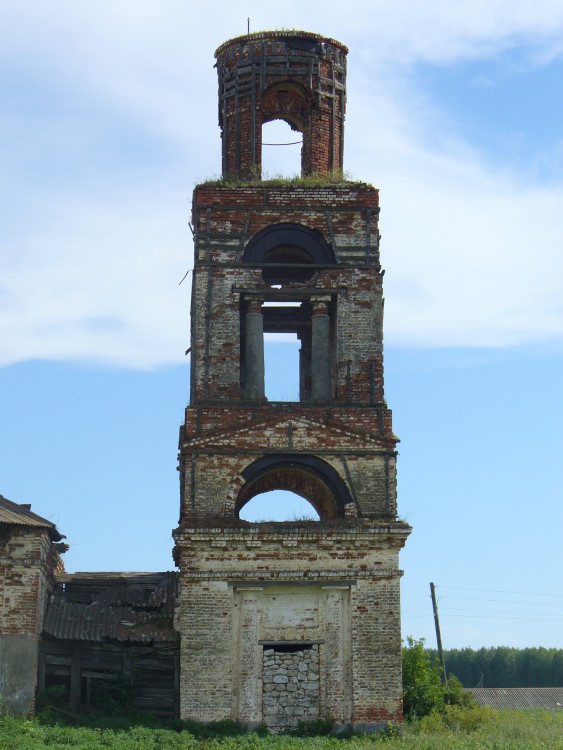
308 477
278 505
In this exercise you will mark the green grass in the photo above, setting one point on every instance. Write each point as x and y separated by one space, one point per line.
311 180
503 730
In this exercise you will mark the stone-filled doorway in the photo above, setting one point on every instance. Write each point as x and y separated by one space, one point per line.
290 677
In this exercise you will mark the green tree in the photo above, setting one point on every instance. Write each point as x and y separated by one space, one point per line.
557 668
423 691
506 667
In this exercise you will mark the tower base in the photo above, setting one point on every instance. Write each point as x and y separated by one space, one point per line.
290 622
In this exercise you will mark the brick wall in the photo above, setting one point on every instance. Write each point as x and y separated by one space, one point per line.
26 579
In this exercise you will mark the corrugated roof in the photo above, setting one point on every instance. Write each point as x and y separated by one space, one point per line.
21 515
551 698
134 607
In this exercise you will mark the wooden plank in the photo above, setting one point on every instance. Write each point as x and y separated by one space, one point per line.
58 659
97 675
75 679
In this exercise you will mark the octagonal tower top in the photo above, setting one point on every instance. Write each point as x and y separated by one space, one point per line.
293 76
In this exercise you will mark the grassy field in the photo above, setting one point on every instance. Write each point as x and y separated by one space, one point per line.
505 730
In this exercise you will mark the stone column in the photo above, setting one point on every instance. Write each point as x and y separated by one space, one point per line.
320 351
254 350
305 366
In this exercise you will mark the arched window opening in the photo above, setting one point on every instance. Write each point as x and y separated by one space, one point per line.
284 158
278 505
281 367
309 477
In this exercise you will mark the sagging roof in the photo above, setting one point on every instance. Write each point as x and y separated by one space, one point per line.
13 514
498 698
133 607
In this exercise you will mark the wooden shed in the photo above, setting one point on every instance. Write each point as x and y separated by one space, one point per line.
110 629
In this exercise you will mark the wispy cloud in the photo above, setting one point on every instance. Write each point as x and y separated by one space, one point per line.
109 117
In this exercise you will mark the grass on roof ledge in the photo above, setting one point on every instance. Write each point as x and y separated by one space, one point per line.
281 33
312 180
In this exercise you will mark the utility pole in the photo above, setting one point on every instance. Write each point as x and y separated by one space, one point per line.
438 636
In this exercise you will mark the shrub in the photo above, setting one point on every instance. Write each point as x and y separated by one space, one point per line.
457 718
55 696
113 698
313 727
456 695
423 691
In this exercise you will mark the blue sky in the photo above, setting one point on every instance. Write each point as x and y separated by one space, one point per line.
107 119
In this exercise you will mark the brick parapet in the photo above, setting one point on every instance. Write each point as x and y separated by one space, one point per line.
265 195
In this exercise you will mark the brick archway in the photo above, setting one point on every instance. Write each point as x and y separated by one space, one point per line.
288 101
307 476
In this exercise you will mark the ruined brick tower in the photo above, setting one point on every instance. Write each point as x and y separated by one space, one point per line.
290 620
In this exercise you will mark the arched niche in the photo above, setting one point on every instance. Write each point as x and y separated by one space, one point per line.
309 242
309 477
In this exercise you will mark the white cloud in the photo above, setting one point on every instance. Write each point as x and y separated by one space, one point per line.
113 118
472 248
102 283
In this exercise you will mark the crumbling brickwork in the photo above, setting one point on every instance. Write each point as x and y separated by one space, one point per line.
302 259
299 78
26 570
26 579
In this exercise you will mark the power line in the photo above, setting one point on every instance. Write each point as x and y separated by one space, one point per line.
500 591
418 596
554 618
505 601
485 617
495 617
291 143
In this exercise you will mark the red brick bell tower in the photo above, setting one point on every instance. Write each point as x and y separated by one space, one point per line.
288 621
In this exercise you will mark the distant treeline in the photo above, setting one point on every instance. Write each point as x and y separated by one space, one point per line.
505 667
